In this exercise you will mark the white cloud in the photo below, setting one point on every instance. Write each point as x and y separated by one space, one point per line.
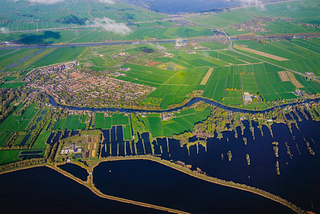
57 1
110 25
43 1
257 3
107 1
4 30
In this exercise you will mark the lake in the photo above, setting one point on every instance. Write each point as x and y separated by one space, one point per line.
151 182
186 6
43 190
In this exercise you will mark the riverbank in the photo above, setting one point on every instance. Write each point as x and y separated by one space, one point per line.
188 104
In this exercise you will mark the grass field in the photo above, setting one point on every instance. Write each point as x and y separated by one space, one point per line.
12 84
146 75
155 125
19 123
60 55
183 122
41 140
8 156
4 137
176 88
119 119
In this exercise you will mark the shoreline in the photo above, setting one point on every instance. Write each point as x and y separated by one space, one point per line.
90 185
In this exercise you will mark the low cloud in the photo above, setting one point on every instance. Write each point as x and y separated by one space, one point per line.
107 1
110 25
57 1
43 1
4 30
257 3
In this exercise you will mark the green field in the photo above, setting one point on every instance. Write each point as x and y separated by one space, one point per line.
4 137
119 119
155 125
8 156
12 84
99 121
41 140
184 122
60 55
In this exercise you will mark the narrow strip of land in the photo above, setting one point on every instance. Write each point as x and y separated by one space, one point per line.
260 53
206 77
91 186
210 179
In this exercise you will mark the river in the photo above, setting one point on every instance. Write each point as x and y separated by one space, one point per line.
188 104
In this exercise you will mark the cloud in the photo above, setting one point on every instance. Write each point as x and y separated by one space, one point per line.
110 25
57 1
43 1
4 30
107 1
257 3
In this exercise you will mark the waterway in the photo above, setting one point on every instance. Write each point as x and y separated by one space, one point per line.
188 104
43 190
160 185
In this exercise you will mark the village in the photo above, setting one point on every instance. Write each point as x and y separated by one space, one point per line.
70 86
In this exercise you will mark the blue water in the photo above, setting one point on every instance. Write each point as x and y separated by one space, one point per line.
154 183
43 190
187 6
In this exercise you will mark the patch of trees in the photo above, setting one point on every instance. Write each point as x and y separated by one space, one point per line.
7 96
23 163
264 42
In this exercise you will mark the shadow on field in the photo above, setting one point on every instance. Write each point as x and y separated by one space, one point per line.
39 39
72 19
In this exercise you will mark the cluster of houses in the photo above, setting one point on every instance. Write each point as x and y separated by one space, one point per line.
82 89
71 149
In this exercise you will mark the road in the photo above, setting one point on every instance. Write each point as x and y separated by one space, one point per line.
231 48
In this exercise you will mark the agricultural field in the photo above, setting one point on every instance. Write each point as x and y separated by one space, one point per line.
183 122
175 89
72 122
60 55
146 75
41 140
15 123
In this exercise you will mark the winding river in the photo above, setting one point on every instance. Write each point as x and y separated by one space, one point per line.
188 104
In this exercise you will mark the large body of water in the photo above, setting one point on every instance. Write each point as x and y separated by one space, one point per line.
157 184
43 190
298 174
187 6
184 6
154 183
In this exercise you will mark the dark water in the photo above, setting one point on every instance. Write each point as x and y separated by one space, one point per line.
185 6
299 177
75 170
300 174
154 183
42 190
